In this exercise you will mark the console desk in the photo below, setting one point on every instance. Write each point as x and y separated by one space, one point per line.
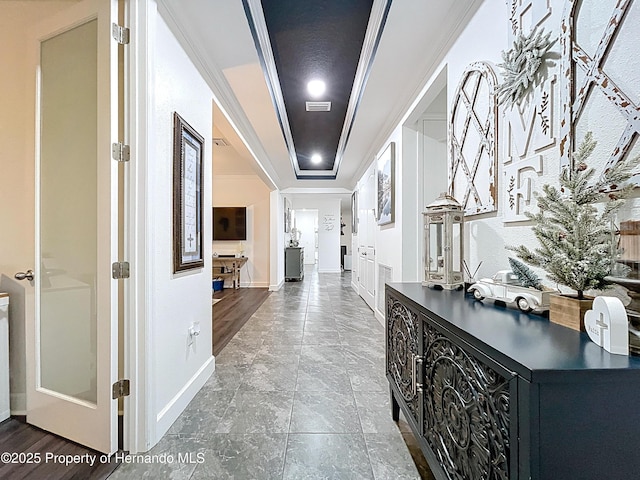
228 267
494 393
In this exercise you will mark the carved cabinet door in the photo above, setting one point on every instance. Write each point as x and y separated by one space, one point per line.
403 360
469 409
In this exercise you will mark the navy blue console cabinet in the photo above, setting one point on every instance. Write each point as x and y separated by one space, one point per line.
494 393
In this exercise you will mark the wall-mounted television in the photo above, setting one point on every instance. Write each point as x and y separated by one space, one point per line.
229 223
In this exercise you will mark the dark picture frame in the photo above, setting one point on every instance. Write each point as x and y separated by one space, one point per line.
188 146
386 178
354 212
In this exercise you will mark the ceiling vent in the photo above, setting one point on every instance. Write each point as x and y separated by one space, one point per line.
220 142
318 106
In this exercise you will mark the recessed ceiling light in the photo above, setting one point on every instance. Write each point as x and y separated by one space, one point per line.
316 158
316 88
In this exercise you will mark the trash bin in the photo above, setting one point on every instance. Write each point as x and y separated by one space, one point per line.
218 285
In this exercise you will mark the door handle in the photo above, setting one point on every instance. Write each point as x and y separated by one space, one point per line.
416 387
24 275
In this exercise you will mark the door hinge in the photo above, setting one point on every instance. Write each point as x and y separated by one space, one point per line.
121 388
120 152
120 34
120 270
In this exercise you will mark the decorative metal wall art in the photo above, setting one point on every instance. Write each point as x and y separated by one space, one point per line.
466 411
473 140
596 75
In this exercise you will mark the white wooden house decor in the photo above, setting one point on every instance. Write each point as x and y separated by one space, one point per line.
529 130
530 127
526 14
473 141
599 53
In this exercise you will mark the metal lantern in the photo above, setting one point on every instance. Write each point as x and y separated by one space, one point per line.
444 242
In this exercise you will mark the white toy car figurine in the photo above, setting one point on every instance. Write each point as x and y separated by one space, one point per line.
505 287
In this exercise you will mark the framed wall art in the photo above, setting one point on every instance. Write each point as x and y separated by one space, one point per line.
354 212
287 216
188 148
386 185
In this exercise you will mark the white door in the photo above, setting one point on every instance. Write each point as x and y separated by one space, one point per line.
72 336
366 240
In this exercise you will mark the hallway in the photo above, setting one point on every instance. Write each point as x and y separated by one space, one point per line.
299 392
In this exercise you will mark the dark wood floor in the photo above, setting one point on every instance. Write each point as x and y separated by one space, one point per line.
17 437
232 312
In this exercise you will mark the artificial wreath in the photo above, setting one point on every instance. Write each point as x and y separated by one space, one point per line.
521 65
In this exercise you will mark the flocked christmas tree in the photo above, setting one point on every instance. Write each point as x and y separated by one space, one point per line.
576 243
527 277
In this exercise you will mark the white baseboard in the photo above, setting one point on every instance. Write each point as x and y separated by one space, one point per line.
330 271
176 406
355 288
18 404
379 317
275 288
255 285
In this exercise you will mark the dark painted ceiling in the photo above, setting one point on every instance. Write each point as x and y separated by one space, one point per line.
309 40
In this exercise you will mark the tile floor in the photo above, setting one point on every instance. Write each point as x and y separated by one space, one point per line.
298 393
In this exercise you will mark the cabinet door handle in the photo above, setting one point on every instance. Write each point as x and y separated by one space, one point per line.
415 386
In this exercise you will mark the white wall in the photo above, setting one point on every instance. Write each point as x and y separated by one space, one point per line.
277 240
306 221
251 192
17 134
177 300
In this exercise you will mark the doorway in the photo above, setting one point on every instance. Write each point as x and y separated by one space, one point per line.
306 223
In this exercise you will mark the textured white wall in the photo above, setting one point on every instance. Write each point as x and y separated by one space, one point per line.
178 300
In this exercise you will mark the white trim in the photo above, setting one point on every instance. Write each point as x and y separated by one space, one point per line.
223 94
379 317
139 421
369 46
18 399
177 404
262 34
254 285
275 288
316 191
